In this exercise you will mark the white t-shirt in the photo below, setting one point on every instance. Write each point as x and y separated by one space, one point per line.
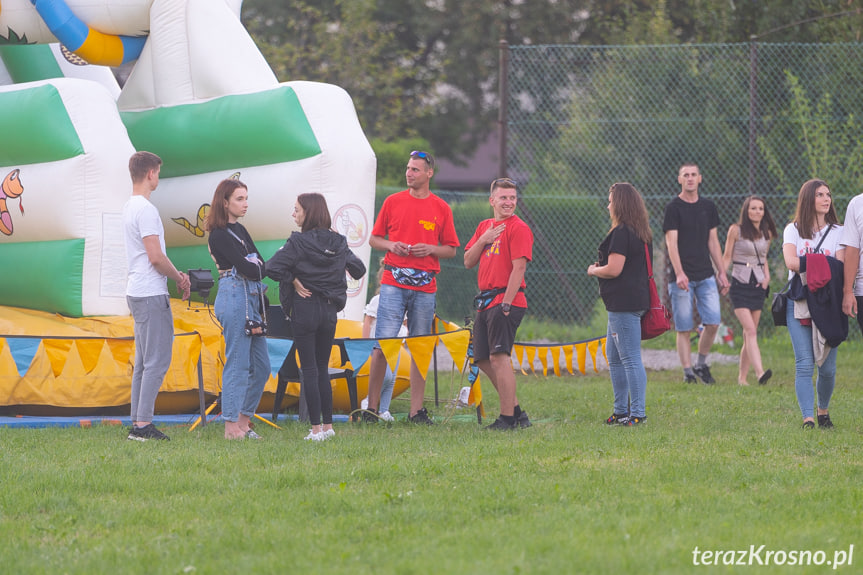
852 236
371 310
141 219
830 247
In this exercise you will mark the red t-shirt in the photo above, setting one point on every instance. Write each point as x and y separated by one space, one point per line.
495 264
404 218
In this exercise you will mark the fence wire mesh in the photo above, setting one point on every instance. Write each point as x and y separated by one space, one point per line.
757 119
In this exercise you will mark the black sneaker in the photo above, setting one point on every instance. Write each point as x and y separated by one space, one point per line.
808 425
147 432
631 420
704 373
824 421
369 416
501 425
421 416
687 378
615 417
523 420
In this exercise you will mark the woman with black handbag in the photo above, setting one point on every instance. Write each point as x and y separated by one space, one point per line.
239 308
623 286
746 249
815 224
314 261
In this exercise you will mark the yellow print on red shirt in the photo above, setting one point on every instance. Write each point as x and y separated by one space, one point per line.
428 226
493 249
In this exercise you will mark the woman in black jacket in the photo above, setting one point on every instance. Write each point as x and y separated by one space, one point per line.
313 262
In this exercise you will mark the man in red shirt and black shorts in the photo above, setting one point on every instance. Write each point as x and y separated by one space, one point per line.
501 246
415 228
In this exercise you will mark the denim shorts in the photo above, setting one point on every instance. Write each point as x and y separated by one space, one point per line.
706 297
395 302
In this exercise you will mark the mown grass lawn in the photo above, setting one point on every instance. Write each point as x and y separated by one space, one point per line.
715 467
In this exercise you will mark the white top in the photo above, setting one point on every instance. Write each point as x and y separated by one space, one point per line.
371 310
830 247
852 236
141 219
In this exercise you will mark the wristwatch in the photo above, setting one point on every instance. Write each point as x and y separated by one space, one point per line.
504 307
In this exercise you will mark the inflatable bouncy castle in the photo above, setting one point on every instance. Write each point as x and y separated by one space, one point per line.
201 96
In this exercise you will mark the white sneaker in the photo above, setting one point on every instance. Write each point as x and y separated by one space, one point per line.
329 433
386 416
312 436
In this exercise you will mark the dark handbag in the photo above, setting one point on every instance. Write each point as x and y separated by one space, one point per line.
779 307
657 319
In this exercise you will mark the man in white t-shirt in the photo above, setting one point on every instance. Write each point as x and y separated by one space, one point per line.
147 293
852 239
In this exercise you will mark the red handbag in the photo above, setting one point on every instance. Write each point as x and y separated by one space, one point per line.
656 321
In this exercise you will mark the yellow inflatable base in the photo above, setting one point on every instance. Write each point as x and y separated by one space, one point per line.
51 364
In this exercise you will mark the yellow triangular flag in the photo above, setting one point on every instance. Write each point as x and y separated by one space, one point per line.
89 350
605 357
421 349
531 354
555 357
580 349
457 343
391 348
543 359
519 356
475 396
122 350
592 347
57 350
567 355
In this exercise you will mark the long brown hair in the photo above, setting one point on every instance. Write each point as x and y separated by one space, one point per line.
627 208
805 217
218 215
766 230
316 211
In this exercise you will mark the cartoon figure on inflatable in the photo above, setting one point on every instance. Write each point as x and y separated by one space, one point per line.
201 96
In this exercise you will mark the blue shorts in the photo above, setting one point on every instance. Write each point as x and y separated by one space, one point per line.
706 297
395 302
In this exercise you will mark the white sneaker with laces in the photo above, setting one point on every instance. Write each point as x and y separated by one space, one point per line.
312 436
386 416
329 433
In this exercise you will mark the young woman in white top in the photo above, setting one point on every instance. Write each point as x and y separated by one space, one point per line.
815 228
746 252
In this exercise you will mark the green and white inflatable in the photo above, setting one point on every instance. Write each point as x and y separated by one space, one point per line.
202 97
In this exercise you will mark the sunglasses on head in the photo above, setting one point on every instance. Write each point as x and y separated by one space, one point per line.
421 155
508 181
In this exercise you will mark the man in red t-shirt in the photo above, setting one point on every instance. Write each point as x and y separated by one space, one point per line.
415 228
501 246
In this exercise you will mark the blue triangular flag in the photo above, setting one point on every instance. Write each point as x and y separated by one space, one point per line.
278 350
359 351
23 350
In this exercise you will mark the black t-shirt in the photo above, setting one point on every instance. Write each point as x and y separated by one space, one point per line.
693 223
229 252
629 291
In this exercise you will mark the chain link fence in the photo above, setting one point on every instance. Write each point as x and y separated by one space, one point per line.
757 119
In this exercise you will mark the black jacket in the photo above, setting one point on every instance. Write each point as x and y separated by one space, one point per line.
825 304
318 258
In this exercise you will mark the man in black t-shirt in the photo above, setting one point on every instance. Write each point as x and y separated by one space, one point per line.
691 237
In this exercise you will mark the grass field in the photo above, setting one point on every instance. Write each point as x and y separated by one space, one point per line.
718 468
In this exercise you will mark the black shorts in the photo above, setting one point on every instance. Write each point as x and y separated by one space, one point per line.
494 332
747 295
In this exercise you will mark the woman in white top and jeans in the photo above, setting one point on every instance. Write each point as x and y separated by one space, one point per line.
815 229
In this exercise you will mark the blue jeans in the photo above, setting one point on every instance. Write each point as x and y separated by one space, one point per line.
706 297
247 361
387 388
804 367
623 350
154 338
394 302
313 321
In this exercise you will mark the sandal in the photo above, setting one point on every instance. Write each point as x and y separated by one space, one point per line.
765 377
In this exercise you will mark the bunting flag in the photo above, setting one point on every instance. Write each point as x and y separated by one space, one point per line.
23 351
359 351
278 350
567 358
421 350
391 348
555 358
581 352
57 350
592 347
456 343
543 361
531 355
89 350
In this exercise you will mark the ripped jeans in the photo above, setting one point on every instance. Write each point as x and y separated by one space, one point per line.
623 350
